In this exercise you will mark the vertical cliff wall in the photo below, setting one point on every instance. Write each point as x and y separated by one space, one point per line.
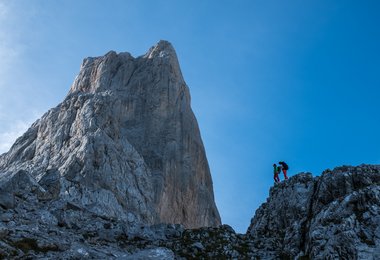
124 143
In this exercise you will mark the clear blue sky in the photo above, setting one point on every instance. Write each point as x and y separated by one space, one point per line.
270 80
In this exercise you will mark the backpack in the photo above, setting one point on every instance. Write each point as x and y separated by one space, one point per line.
286 167
278 169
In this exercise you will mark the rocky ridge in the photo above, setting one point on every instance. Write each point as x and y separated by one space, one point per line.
332 216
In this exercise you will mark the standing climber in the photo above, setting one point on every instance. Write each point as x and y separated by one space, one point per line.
276 171
285 168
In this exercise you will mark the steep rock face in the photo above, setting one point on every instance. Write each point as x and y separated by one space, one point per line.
334 216
124 144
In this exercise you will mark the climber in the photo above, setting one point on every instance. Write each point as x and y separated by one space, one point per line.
285 168
276 171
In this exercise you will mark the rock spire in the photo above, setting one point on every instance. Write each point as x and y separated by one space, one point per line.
124 144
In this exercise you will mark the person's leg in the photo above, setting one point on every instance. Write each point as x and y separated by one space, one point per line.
284 171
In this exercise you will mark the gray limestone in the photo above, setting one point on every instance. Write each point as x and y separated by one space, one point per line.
334 216
123 144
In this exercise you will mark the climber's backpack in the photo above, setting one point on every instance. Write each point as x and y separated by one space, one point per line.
286 167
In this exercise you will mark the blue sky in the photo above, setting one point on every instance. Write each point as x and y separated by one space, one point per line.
270 80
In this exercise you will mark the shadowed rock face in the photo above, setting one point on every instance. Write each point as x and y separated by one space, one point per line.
124 144
333 216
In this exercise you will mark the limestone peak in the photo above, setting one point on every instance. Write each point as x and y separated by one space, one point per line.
97 73
123 144
162 49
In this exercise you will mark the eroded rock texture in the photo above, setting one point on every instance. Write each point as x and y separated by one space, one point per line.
334 216
123 144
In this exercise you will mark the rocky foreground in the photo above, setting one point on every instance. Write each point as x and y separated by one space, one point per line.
333 216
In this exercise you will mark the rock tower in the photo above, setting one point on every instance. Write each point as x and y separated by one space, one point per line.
123 144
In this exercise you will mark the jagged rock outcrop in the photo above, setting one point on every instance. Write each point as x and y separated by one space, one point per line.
123 144
334 216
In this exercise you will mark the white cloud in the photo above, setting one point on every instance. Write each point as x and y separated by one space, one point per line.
7 138
10 51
